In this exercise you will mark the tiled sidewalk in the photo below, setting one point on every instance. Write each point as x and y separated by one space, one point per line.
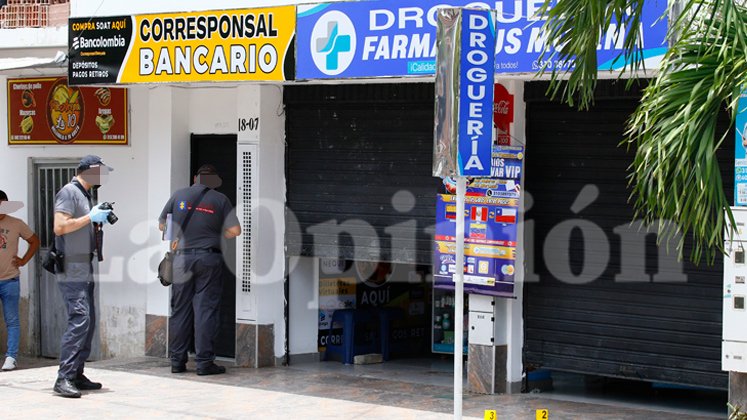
145 388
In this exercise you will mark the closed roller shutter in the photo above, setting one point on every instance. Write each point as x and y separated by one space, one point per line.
351 149
660 330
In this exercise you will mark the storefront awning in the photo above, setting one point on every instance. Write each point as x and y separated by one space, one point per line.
59 60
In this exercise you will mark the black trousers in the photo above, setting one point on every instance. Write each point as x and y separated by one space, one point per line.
76 285
195 307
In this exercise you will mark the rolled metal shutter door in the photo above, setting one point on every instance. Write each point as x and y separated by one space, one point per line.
651 328
360 156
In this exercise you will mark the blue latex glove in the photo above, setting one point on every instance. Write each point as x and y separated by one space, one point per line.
98 215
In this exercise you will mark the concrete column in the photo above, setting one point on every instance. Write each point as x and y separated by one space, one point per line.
304 309
159 188
264 105
738 390
514 307
498 368
168 169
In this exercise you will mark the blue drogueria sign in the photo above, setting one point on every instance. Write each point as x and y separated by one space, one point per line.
398 38
476 93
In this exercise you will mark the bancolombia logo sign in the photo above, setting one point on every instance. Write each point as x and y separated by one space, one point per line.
223 45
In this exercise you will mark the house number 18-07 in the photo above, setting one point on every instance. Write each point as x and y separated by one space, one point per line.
250 124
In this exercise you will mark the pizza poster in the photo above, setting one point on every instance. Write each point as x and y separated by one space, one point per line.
44 111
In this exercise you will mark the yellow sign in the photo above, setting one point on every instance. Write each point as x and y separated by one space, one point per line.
337 286
206 46
490 415
478 250
543 414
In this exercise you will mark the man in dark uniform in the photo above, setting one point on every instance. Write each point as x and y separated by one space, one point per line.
74 216
198 268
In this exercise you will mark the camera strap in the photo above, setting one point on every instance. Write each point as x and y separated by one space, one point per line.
175 242
98 233
86 194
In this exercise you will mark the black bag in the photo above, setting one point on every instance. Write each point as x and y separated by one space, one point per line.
166 266
166 269
54 261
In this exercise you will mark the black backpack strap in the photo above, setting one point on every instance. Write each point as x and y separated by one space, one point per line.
86 194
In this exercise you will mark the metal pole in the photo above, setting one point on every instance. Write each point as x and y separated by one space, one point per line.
459 297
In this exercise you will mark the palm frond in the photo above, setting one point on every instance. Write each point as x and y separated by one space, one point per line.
574 29
675 175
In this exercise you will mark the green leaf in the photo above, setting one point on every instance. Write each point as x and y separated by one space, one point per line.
674 176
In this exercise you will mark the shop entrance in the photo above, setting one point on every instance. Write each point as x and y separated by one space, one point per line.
220 151
359 159
388 306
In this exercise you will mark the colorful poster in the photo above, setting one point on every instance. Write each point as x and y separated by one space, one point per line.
213 46
393 39
491 217
398 289
740 153
505 177
48 111
503 114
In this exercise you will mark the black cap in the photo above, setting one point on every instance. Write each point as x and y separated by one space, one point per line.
207 169
92 160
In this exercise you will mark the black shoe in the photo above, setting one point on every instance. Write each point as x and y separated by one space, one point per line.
66 388
213 369
85 384
178 369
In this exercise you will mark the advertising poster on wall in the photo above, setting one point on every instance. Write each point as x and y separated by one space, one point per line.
218 45
393 39
491 216
47 111
740 153
503 114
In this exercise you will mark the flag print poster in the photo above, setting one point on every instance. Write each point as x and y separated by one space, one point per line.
491 210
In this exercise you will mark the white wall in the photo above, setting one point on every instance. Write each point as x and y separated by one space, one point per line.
155 116
270 255
304 305
121 290
513 309
28 39
88 8
172 114
175 112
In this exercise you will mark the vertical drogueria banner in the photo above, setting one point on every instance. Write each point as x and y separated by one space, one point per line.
465 61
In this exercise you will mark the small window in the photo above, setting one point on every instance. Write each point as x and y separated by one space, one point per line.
739 255
739 302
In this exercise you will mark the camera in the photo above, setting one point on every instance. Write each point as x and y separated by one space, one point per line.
111 217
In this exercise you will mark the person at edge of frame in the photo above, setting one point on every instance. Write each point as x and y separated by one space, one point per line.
77 222
11 229
198 268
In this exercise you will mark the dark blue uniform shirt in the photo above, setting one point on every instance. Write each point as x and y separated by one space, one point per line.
212 216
